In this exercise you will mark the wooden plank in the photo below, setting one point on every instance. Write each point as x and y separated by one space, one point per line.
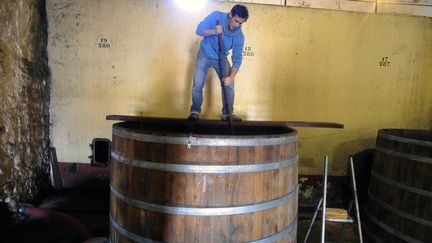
183 121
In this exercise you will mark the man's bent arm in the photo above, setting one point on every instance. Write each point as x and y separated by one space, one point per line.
230 78
215 31
208 26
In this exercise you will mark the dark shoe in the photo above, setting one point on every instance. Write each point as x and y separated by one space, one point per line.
234 118
193 116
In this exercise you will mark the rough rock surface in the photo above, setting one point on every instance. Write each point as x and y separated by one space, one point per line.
24 100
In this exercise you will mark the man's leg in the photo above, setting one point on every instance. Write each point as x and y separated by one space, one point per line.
229 96
226 91
201 69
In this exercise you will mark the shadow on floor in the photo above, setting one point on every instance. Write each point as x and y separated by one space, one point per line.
88 204
335 232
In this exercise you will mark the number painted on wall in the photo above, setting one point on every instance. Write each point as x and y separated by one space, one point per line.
104 43
384 62
248 51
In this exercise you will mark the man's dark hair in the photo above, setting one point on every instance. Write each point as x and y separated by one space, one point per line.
240 11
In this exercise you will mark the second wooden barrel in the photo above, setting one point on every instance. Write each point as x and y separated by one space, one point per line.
399 206
184 183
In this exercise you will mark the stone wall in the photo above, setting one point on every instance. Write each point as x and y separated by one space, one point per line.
24 100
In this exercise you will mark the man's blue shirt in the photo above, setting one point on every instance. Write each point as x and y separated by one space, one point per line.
231 39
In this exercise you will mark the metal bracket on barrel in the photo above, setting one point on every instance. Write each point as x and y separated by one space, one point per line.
189 142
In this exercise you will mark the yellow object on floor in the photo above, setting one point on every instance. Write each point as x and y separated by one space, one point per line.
336 213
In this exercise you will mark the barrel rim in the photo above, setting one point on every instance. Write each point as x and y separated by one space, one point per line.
412 136
201 140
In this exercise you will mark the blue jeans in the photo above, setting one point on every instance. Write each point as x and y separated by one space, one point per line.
202 65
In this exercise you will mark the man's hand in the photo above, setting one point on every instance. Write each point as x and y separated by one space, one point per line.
218 29
227 80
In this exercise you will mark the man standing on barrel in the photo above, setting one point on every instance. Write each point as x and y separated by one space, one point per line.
219 30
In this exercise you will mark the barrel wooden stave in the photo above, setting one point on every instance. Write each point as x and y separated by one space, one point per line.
402 224
413 203
374 233
394 213
203 190
399 140
182 228
180 189
202 155
408 172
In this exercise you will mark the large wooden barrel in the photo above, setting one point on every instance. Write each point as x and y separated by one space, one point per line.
399 207
182 183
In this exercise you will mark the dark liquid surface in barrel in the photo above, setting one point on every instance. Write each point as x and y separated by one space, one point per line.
155 128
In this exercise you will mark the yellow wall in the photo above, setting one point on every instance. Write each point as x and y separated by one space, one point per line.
310 65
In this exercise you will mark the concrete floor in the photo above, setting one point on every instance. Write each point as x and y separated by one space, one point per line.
348 235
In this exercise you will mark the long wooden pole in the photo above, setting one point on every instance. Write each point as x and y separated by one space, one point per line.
224 74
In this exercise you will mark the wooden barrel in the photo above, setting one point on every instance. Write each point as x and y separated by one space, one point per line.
183 183
399 206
